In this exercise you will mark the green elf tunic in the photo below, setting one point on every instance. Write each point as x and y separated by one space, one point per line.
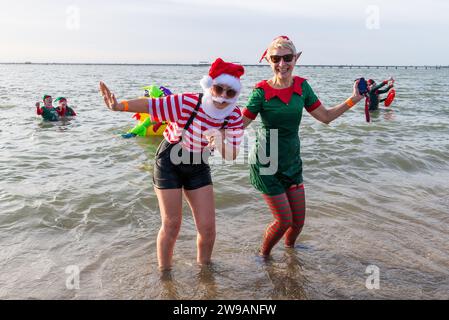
67 112
280 109
49 114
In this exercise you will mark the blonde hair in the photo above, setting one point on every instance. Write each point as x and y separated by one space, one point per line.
281 43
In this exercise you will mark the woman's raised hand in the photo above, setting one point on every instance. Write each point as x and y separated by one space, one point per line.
356 96
109 98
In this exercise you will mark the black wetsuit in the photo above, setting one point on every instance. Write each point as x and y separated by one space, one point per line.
374 93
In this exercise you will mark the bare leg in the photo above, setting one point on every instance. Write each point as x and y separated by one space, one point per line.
170 204
202 203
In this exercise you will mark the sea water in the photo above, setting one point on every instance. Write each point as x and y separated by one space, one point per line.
79 216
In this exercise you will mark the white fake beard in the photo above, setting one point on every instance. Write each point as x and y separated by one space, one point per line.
212 111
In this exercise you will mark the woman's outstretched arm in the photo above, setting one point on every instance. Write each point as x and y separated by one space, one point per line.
168 108
328 115
136 105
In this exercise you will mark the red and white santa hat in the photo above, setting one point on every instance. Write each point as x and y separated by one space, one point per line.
222 72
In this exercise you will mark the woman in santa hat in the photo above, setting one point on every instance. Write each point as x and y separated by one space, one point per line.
280 101
196 121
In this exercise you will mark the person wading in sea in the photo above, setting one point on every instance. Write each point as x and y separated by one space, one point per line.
280 102
196 121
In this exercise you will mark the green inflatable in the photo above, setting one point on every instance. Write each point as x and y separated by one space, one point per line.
142 129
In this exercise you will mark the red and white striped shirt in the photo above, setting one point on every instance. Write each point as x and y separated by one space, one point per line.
178 108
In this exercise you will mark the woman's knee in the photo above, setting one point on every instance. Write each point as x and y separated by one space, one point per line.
284 225
207 232
171 228
297 225
287 225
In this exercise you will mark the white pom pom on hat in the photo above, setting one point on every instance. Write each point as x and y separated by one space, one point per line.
206 82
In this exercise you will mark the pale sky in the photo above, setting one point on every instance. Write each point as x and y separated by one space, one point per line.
188 31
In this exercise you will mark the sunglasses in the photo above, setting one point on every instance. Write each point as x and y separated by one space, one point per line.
286 58
230 93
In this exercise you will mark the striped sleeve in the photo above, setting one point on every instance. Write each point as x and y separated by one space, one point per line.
168 108
234 128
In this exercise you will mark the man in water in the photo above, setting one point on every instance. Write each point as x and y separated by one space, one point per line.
48 112
374 92
63 109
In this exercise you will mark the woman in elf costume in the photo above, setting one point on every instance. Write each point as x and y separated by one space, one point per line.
280 101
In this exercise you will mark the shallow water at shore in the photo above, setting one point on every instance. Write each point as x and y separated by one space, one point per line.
77 194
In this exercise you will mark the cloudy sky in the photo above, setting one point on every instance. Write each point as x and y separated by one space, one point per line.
189 31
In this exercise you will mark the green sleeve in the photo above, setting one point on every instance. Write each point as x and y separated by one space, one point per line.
385 90
254 104
311 101
71 111
374 89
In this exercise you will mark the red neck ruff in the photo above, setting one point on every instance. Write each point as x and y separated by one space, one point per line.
285 94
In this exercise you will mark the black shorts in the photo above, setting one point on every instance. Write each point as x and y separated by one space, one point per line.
189 175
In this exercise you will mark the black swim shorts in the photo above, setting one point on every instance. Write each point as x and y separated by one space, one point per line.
190 175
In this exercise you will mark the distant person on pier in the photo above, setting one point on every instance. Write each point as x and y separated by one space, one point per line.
374 92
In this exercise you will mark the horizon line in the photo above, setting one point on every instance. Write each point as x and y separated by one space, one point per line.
207 63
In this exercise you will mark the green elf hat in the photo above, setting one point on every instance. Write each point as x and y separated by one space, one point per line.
45 97
60 99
